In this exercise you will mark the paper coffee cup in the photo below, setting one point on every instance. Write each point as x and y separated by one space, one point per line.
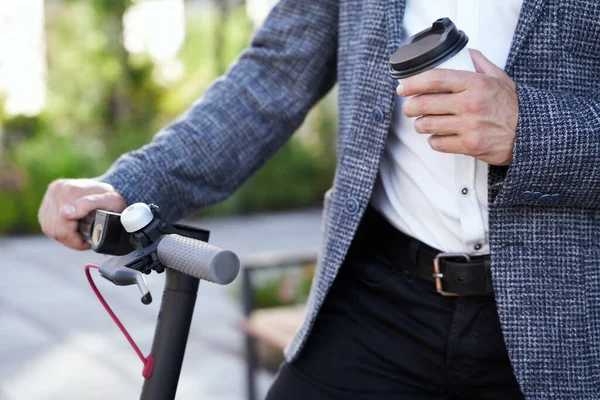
440 46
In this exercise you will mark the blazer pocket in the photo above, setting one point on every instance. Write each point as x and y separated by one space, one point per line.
372 272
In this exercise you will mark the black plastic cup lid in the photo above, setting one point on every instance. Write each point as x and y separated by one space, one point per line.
428 49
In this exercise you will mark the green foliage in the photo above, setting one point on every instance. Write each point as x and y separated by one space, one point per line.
37 161
103 102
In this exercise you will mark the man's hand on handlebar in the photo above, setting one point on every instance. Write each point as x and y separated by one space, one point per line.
68 200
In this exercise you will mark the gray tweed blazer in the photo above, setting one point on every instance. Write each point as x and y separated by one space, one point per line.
544 208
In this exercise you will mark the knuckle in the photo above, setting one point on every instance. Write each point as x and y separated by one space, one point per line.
56 186
468 146
106 186
62 187
46 228
61 236
87 202
471 125
112 196
74 243
475 105
64 235
475 145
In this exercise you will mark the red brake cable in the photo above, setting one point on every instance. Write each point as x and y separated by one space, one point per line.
147 361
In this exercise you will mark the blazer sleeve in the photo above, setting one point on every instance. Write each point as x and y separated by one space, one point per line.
556 157
242 119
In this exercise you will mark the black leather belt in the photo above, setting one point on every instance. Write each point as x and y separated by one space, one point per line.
452 274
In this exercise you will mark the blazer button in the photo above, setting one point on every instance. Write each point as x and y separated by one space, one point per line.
378 115
555 198
546 199
536 196
351 206
527 196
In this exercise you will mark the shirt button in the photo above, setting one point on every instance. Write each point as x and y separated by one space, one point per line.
378 115
464 191
477 246
351 206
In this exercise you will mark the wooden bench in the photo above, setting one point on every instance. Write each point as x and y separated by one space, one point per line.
273 326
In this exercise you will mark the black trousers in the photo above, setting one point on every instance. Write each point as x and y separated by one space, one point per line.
382 334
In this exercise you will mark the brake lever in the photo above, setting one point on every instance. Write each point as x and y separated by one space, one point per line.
118 269
123 276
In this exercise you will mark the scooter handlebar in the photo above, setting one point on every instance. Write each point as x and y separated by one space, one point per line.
198 259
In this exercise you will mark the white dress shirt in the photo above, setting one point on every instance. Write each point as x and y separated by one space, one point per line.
439 198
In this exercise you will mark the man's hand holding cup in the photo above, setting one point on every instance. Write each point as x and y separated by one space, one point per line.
465 112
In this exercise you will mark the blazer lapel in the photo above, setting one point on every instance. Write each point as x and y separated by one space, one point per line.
529 13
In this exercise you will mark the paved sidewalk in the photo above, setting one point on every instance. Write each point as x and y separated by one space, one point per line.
57 342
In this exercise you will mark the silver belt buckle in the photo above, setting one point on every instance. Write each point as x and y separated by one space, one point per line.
437 275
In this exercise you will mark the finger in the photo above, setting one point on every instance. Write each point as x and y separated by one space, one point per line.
67 233
435 80
485 66
446 144
430 104
81 207
438 124
43 213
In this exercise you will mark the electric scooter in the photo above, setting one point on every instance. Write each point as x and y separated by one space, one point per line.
143 241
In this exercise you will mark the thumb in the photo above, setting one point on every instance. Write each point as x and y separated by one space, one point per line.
80 208
485 66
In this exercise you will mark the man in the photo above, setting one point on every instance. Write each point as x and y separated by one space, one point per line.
377 328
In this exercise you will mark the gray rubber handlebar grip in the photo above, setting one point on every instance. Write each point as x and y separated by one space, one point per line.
198 259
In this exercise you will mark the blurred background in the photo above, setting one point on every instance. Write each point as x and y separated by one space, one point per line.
82 82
